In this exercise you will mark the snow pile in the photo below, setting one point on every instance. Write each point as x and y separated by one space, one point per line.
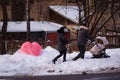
23 64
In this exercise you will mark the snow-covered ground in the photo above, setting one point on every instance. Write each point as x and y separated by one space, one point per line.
23 64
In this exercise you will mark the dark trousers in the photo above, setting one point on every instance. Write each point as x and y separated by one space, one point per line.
61 53
82 50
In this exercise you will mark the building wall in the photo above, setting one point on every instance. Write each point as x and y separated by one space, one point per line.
8 10
0 13
55 17
39 8
43 13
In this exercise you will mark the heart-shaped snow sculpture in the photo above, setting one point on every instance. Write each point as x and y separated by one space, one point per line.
31 48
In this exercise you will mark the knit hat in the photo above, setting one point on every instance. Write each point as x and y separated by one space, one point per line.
61 30
82 27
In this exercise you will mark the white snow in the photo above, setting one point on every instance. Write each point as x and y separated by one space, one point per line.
69 12
23 64
21 26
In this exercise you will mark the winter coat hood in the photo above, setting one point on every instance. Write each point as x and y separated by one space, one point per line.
105 41
61 30
82 27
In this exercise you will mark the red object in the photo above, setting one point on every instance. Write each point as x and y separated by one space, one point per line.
31 48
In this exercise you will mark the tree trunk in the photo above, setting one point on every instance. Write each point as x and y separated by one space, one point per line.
4 27
28 19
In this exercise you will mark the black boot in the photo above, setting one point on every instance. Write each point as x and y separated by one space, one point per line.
54 61
74 59
105 56
64 60
77 57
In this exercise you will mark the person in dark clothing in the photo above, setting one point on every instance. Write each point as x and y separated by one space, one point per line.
61 45
83 37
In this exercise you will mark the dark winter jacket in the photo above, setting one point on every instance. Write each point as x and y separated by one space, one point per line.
61 40
83 36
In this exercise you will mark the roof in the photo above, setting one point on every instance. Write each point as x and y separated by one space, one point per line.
69 12
21 26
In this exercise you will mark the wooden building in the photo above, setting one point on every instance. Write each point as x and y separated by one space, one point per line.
44 32
40 11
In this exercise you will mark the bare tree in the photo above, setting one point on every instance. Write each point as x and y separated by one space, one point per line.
94 11
4 27
28 19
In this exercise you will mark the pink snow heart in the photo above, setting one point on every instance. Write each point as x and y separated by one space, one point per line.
31 48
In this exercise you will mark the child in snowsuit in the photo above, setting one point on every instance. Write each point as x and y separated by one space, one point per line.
98 50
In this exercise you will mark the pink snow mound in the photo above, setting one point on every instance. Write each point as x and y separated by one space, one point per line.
31 48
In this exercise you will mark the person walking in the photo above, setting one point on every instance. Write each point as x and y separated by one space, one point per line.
83 37
61 45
